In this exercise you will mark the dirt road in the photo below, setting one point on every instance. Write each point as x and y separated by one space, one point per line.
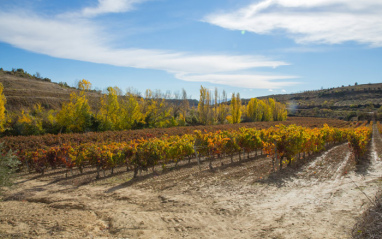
321 199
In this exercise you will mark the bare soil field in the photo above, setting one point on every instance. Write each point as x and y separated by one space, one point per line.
245 199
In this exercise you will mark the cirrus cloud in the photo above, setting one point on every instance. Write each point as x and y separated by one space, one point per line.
252 81
314 21
110 6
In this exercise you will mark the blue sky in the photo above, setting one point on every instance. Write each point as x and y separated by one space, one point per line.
255 47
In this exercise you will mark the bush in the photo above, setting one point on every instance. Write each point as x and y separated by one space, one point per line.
8 165
20 70
351 115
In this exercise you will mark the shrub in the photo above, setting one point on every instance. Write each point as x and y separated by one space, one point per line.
8 165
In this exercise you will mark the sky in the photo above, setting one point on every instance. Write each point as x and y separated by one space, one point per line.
253 47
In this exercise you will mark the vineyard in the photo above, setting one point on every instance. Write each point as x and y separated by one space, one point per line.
25 143
280 142
176 181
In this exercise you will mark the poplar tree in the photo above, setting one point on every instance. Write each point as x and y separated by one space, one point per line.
252 109
222 109
109 111
216 108
131 114
261 108
236 108
184 107
3 101
157 111
75 115
204 106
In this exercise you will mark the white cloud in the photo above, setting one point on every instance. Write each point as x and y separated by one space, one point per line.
252 81
110 6
313 21
80 39
302 49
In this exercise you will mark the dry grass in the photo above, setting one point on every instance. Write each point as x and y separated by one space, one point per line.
370 223
24 93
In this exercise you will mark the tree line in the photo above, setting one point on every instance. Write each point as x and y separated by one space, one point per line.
118 111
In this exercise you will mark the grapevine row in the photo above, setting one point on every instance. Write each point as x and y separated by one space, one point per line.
33 143
379 126
358 139
284 143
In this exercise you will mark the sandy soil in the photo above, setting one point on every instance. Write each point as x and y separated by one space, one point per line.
320 199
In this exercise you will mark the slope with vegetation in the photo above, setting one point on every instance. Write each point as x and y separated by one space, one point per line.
353 102
36 106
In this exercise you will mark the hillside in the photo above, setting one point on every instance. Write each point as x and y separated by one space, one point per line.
23 91
344 102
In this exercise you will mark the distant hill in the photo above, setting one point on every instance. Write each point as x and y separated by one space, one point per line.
345 102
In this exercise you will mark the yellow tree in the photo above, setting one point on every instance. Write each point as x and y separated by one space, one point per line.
261 106
265 111
110 110
232 118
3 101
185 105
281 112
236 108
36 121
204 105
216 107
223 109
252 109
75 115
130 112
84 85
27 124
272 106
157 112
